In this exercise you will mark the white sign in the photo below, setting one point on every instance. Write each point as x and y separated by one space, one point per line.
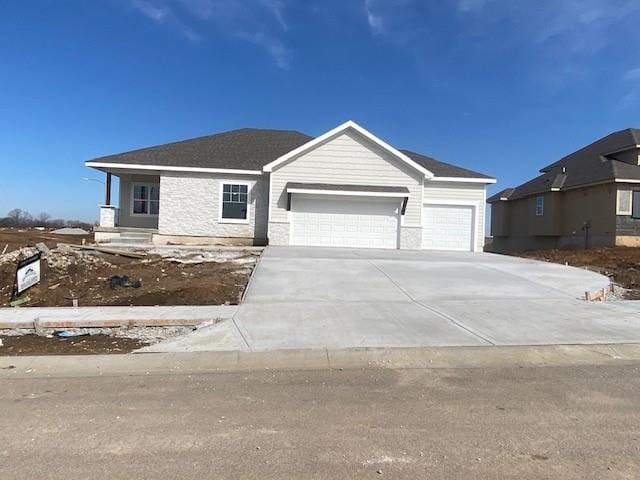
28 275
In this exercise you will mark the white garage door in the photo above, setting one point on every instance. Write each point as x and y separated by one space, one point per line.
362 222
447 227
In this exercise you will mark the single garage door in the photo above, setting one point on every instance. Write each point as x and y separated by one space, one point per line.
447 227
344 221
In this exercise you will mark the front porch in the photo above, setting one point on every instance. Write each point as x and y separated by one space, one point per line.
138 201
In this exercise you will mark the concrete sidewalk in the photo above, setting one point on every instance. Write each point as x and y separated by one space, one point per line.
85 317
360 358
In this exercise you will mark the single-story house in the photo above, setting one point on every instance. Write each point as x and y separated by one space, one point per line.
589 198
346 188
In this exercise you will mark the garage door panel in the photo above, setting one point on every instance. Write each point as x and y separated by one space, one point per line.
447 227
344 221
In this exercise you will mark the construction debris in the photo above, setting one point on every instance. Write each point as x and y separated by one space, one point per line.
598 295
73 274
110 251
123 281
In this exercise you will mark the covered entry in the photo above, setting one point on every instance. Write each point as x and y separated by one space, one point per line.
345 215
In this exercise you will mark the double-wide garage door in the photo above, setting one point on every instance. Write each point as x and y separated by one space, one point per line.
345 221
447 227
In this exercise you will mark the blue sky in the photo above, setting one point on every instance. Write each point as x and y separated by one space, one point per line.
500 86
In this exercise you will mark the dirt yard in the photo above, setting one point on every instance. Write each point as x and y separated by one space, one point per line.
86 345
621 263
16 239
171 277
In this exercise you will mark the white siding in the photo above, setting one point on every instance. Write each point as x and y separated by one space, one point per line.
460 192
347 159
190 202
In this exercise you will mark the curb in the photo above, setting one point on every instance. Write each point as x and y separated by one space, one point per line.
317 359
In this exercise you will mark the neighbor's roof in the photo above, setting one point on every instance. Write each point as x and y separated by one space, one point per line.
248 149
595 163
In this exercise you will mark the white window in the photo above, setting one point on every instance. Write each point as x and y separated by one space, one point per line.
234 202
539 206
624 202
146 199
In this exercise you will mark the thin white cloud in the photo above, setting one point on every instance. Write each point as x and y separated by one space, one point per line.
274 47
580 26
374 20
164 15
632 75
631 80
470 5
247 20
157 14
276 7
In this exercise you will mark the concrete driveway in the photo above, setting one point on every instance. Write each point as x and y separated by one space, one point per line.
321 297
340 298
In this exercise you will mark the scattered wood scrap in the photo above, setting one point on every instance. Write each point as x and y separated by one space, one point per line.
109 251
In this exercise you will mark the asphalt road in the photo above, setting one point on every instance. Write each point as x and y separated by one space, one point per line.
520 423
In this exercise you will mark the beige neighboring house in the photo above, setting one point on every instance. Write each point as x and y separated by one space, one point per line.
590 198
346 188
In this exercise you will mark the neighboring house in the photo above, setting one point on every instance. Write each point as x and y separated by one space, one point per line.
589 198
346 188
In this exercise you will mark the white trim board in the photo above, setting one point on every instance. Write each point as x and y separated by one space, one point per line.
338 130
126 166
463 179
348 193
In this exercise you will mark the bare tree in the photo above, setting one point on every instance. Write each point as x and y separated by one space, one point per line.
43 218
15 214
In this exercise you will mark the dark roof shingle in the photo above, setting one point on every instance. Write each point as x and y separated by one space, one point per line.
244 149
249 149
595 163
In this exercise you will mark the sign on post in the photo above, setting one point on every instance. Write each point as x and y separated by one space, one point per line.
27 273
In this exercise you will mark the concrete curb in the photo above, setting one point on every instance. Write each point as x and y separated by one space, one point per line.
356 358
87 317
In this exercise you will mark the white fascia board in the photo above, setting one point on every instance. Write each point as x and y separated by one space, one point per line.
463 180
350 193
128 166
339 129
626 180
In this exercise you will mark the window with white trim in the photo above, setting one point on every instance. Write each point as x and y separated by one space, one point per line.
539 206
146 199
624 202
235 201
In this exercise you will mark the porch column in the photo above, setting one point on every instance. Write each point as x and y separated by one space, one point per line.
107 190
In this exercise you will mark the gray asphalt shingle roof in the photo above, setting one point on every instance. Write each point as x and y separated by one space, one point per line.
244 149
248 149
442 169
595 163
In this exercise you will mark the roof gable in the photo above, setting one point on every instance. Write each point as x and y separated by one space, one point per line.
340 129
